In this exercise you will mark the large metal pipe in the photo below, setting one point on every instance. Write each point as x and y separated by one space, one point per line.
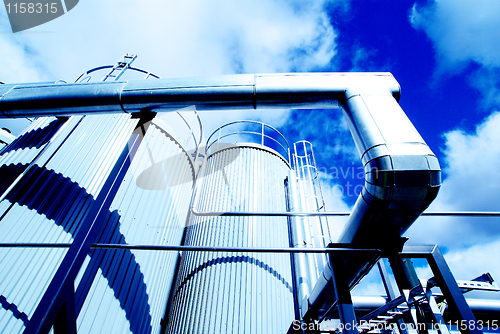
402 175
229 92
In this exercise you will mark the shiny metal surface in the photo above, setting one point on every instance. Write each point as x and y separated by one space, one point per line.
309 231
5 138
402 175
44 205
482 308
27 146
219 292
305 271
311 196
152 206
245 91
343 251
343 214
53 172
61 99
245 131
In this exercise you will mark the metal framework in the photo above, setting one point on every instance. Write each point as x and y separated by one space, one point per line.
402 177
415 308
259 137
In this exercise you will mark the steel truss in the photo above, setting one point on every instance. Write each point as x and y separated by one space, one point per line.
415 309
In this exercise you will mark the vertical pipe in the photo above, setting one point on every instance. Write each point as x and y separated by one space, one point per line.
303 268
54 296
344 300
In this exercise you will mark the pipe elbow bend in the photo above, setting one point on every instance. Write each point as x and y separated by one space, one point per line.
402 176
401 181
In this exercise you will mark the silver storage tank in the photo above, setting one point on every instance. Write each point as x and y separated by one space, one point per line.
51 175
237 292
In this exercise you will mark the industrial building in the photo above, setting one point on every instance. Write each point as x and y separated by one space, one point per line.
116 218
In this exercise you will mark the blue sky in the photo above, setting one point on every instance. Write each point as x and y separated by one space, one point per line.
443 53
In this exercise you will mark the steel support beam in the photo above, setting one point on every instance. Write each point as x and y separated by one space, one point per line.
58 293
452 292
447 284
65 322
344 300
402 175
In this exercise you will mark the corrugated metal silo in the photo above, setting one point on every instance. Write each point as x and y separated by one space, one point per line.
236 292
56 170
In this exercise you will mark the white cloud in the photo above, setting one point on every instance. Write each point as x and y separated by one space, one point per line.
184 38
474 261
176 39
334 202
471 165
472 183
17 65
464 32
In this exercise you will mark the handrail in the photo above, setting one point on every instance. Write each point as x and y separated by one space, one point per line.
262 135
337 214
197 142
98 68
346 250
246 132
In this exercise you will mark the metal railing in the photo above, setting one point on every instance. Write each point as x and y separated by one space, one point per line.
162 125
86 77
272 139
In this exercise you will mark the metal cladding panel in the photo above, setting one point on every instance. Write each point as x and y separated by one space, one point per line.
51 175
33 211
88 154
44 203
236 292
128 289
81 148
29 144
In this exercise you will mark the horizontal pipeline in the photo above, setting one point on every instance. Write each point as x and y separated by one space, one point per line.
338 214
228 92
338 251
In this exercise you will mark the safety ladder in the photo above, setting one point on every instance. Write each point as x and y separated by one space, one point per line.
120 67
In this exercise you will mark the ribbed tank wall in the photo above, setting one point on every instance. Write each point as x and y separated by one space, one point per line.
51 175
236 292
26 147
129 289
45 206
